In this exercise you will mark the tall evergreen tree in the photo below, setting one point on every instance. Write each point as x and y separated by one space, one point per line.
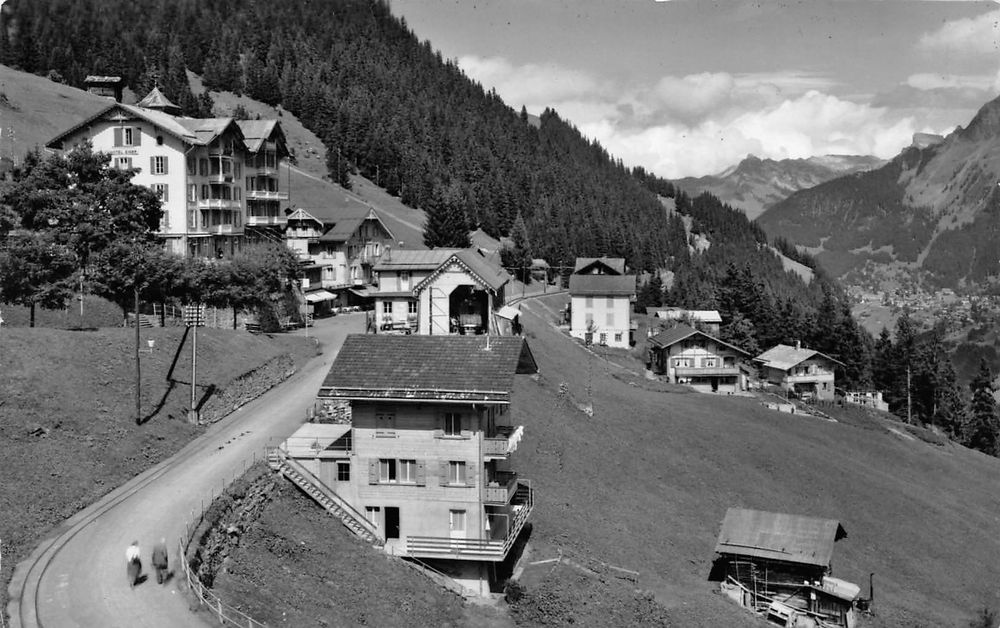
446 225
983 429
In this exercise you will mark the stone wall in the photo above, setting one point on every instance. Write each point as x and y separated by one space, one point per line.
247 387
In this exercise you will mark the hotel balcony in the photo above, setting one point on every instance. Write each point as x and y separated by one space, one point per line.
501 488
266 195
266 171
491 550
264 221
717 371
219 203
503 443
223 229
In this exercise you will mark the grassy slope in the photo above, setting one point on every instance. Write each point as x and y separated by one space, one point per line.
645 483
79 386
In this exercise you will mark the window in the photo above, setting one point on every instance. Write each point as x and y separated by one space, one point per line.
387 307
164 221
373 514
456 520
192 166
192 220
203 167
128 136
588 302
386 470
161 191
603 338
159 140
404 280
456 472
609 319
411 307
204 191
343 471
682 362
708 363
192 192
408 471
610 303
452 424
123 163
618 336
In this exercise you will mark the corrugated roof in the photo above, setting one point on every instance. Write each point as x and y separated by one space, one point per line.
681 331
784 357
614 264
447 368
414 259
601 285
777 536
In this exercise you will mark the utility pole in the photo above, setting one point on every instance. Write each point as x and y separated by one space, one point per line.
909 416
138 381
194 317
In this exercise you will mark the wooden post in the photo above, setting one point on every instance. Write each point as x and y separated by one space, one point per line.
138 381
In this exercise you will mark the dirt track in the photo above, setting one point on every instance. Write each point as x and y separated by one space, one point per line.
77 577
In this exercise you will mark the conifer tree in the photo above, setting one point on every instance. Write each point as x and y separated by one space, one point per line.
446 224
983 429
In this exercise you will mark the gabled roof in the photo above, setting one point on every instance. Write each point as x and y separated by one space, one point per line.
428 368
414 259
675 334
348 224
486 272
601 285
156 100
784 357
256 132
610 265
776 536
207 129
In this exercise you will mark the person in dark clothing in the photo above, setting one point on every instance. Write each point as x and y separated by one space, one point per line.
160 561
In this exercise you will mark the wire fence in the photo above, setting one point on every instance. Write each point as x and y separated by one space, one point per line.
207 600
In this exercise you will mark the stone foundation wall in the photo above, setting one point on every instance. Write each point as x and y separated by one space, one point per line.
247 387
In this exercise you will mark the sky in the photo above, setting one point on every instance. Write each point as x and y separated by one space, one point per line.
691 87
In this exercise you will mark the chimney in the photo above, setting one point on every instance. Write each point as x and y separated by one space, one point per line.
107 86
798 344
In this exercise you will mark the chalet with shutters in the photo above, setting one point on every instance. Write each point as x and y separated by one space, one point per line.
423 460
685 355
338 245
438 292
217 177
601 297
803 372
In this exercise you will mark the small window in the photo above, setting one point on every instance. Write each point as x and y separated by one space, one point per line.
128 136
386 470
456 520
411 307
603 338
456 472
159 140
203 167
588 302
158 164
343 471
123 163
708 363
609 319
408 471
160 189
192 192
204 191
373 514
192 166
387 307
452 424
618 336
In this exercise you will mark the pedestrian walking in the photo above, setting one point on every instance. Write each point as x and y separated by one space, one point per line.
133 564
160 561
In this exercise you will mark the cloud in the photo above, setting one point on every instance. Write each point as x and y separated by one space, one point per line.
974 35
532 83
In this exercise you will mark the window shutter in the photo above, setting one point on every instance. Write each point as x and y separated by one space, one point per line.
118 136
439 432
136 136
443 467
166 189
466 426
421 475
152 165
166 162
373 471
471 471
463 473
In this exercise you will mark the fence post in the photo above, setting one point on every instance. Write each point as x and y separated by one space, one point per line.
221 616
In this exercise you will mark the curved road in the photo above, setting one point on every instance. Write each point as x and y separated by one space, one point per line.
76 577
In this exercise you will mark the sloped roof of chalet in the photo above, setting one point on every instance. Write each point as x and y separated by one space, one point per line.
704 316
347 225
601 285
194 131
482 240
777 536
679 332
784 357
428 368
98 78
414 259
488 273
256 132
615 264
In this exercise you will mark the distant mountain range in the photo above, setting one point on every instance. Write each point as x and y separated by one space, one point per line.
930 215
754 184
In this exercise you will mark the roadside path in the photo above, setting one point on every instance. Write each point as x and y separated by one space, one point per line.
76 577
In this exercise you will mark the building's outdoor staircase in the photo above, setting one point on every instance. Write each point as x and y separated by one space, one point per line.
326 498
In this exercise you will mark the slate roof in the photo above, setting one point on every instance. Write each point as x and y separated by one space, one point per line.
601 285
776 536
679 332
615 264
784 357
428 368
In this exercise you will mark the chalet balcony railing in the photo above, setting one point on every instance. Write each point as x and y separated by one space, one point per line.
501 489
700 371
819 376
504 443
266 195
307 446
219 203
494 550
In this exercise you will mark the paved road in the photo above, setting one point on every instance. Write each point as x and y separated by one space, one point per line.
77 577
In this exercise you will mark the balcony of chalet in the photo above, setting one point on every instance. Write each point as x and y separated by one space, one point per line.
503 442
266 195
505 523
706 371
501 488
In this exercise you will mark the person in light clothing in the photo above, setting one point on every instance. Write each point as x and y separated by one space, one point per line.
133 565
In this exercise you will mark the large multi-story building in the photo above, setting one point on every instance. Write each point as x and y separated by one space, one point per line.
217 177
601 296
421 467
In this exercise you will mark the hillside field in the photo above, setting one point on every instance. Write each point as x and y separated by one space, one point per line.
645 482
67 414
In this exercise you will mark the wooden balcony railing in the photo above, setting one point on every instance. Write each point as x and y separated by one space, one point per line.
504 443
501 489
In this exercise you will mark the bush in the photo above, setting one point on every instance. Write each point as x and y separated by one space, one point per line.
512 591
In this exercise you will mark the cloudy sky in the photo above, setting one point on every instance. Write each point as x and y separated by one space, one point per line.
690 87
